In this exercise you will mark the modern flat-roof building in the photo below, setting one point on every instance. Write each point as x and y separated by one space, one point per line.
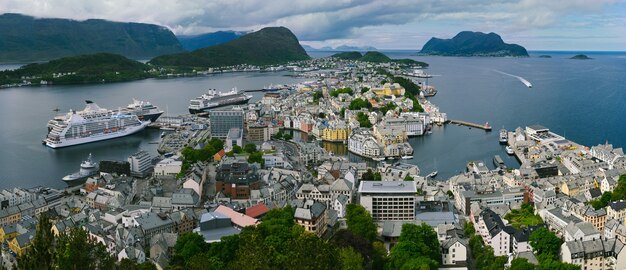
140 164
223 120
389 200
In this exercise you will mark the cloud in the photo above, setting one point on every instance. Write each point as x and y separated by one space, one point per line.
315 20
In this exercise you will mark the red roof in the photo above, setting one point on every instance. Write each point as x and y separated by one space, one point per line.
238 219
221 153
257 210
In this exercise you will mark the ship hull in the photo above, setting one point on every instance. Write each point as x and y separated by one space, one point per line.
152 117
99 137
195 111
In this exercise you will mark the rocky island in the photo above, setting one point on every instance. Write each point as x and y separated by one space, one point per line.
469 43
581 57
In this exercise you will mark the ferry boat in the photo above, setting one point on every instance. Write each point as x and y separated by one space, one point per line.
509 150
378 158
407 157
504 136
213 99
90 125
271 88
87 168
498 162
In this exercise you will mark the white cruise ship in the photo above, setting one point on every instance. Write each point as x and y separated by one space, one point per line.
90 125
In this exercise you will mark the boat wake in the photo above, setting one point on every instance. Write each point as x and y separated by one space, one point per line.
524 81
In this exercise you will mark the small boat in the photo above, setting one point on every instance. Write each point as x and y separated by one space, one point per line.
168 128
498 162
162 134
504 136
509 150
407 157
378 158
432 174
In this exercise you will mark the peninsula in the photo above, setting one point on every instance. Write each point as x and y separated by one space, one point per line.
469 43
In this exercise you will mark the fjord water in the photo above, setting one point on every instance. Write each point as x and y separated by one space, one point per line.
24 112
582 100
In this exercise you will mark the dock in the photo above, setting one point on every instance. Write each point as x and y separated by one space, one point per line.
485 127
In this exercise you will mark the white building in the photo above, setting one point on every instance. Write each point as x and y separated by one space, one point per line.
596 254
140 164
454 251
168 167
389 200
234 137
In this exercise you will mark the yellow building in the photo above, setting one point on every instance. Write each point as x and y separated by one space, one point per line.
336 133
21 243
8 232
389 89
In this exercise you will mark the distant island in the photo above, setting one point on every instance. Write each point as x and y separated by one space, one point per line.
581 57
545 56
27 39
469 43
376 57
91 68
268 46
194 42
341 48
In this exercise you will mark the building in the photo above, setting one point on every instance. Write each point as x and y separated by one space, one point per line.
389 200
389 89
168 167
185 198
214 226
617 211
312 217
454 251
494 233
336 131
223 120
363 143
234 137
258 132
596 254
237 178
140 164
22 242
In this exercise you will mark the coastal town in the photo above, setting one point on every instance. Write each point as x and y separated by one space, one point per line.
221 171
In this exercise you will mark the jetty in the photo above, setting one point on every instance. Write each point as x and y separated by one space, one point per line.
485 127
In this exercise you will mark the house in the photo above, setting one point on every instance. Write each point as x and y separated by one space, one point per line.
133 253
214 226
454 251
238 219
8 232
494 232
581 231
185 198
594 254
312 217
185 220
616 210
257 211
21 243
219 155
339 204
152 224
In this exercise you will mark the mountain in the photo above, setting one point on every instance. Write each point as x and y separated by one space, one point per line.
100 67
25 38
468 43
195 42
270 45
376 57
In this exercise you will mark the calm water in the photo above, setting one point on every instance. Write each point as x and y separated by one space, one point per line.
579 99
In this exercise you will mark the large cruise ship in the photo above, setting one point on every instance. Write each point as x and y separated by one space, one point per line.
143 109
90 125
213 99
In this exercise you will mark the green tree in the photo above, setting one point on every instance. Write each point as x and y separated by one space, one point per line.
556 265
363 120
408 178
249 148
545 243
358 103
189 245
342 112
521 264
256 157
287 137
364 90
350 259
360 222
377 176
237 149
75 250
41 254
420 263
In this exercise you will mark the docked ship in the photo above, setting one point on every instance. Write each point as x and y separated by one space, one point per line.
213 99
90 125
272 88
504 136
87 168
143 109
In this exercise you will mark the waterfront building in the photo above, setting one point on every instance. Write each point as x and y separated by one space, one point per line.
608 154
363 143
389 200
140 164
223 120
337 131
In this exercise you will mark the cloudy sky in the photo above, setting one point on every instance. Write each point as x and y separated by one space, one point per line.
385 24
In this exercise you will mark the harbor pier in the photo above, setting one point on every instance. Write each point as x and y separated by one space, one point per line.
485 127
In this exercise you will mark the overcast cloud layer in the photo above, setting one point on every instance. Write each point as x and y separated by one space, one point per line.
406 24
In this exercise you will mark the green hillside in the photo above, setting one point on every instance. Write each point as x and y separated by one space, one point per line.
270 45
